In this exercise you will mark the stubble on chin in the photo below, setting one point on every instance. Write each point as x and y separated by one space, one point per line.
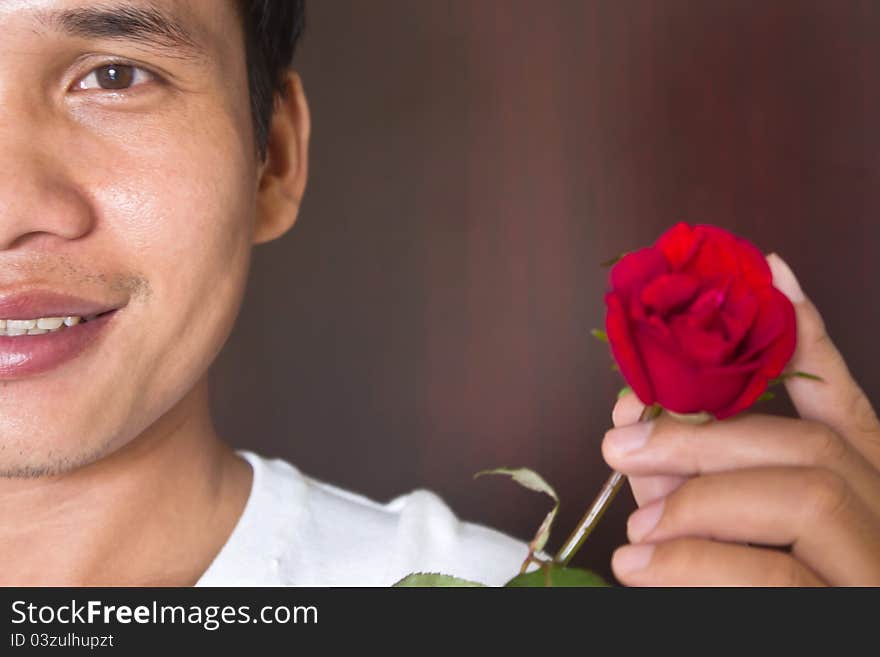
51 465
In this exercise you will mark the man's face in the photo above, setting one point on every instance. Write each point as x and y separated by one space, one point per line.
133 186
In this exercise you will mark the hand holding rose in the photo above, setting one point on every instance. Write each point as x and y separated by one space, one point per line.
718 500
699 324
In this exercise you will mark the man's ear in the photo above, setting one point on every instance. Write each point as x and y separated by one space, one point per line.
283 175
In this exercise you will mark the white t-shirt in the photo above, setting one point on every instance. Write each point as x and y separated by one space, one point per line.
296 531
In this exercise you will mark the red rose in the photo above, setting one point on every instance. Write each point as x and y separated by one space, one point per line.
695 323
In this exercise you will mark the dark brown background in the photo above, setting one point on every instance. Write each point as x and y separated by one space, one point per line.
473 161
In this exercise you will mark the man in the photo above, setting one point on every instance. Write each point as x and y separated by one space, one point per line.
142 156
136 177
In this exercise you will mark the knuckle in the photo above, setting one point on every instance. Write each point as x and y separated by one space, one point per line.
823 444
682 506
826 494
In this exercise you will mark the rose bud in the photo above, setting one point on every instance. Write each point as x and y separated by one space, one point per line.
695 323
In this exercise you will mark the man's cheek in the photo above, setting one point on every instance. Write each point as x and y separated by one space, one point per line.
196 255
174 217
180 210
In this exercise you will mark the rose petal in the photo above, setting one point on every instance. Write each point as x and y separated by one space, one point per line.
723 254
751 263
701 346
713 263
669 292
705 311
773 362
773 357
625 350
683 387
776 355
679 245
739 312
635 270
775 316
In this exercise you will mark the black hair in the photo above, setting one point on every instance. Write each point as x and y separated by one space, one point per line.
272 29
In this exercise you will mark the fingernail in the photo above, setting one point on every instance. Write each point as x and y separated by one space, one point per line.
642 522
784 279
631 558
631 437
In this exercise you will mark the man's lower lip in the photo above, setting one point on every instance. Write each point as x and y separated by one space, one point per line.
27 355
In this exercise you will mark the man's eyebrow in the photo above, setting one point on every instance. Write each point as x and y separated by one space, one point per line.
146 25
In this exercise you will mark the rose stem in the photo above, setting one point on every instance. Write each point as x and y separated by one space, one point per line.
600 505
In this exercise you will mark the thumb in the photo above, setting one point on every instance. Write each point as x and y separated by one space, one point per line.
838 400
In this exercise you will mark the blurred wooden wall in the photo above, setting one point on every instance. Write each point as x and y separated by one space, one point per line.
473 162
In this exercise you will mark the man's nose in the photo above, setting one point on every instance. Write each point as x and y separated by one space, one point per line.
39 195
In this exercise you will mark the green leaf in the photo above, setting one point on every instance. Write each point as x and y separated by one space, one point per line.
625 390
807 375
433 579
599 334
789 375
767 396
555 575
524 477
533 481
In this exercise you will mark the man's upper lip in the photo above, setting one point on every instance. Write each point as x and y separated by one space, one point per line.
36 303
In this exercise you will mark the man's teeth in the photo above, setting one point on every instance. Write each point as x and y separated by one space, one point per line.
40 325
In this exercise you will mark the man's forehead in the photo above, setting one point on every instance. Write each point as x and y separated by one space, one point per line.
187 25
184 9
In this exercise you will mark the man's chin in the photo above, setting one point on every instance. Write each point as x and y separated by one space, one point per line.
50 463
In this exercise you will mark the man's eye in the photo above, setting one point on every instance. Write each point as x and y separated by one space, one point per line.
114 77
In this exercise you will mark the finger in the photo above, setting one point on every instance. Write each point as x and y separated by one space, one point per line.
647 489
699 562
667 447
830 530
627 410
838 401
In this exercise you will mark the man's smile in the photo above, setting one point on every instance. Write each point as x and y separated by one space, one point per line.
42 330
38 326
